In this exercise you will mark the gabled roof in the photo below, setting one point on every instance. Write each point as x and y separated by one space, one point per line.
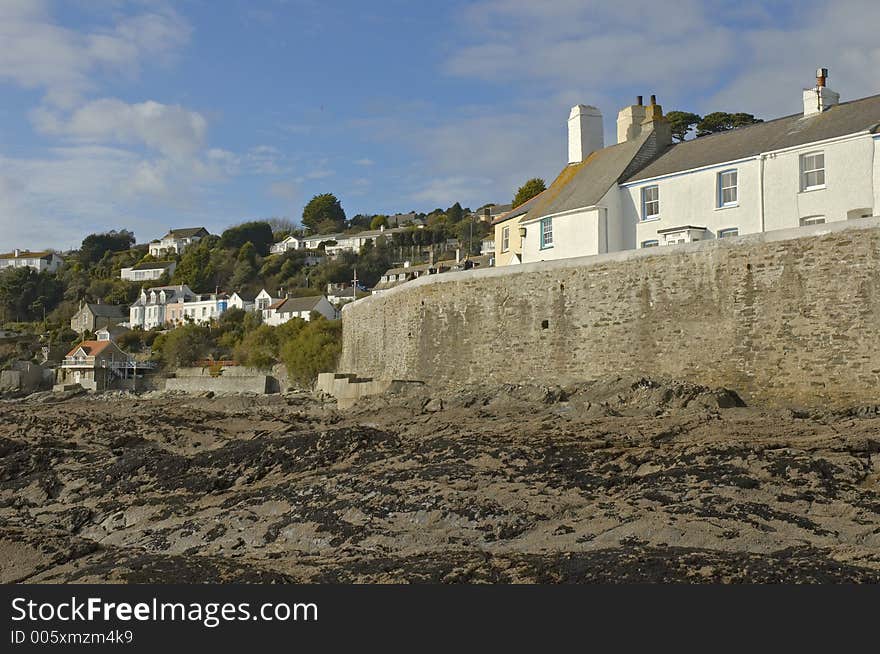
790 131
107 310
113 330
152 265
245 295
584 184
277 303
518 210
90 348
298 304
186 232
24 254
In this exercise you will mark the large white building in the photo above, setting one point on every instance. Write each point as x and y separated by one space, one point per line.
148 271
39 261
819 165
150 309
177 240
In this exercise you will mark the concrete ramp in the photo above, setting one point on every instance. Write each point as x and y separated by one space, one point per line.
348 388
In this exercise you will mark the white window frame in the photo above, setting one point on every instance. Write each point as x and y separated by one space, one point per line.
505 238
813 170
728 232
722 203
806 221
646 202
651 243
546 234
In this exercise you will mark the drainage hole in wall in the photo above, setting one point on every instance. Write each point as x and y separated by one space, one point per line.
545 324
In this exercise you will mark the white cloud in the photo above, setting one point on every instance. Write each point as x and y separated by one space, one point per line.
716 54
36 52
364 162
169 129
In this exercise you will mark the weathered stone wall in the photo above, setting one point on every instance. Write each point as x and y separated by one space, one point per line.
788 317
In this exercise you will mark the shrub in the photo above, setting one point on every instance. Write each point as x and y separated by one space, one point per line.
314 349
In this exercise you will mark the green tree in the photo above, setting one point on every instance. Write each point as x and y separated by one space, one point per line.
379 221
314 349
682 122
26 294
94 246
258 348
720 121
455 213
184 345
195 268
321 211
258 232
529 190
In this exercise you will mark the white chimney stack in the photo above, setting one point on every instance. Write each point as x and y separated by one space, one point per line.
820 98
585 132
630 119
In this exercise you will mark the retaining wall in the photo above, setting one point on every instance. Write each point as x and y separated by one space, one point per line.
788 317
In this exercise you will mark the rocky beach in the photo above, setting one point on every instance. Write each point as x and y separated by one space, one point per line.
618 480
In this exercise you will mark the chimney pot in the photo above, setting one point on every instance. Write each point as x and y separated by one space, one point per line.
639 100
653 100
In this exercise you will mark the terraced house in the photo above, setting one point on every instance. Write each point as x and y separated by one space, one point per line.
819 165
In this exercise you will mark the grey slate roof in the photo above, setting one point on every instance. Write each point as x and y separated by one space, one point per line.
297 304
186 232
152 265
107 310
518 210
584 184
743 142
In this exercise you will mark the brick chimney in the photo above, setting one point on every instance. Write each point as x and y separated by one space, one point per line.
820 98
585 132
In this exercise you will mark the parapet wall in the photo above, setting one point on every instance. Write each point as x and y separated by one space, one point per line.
788 317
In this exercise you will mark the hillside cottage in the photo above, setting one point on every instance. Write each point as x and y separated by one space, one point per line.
819 165
93 316
298 307
148 271
40 261
177 240
93 364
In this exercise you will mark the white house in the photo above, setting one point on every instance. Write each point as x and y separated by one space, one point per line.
289 243
263 301
819 165
40 261
149 310
298 307
242 300
335 243
148 271
177 240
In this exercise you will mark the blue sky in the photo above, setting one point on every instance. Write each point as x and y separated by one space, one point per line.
150 114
